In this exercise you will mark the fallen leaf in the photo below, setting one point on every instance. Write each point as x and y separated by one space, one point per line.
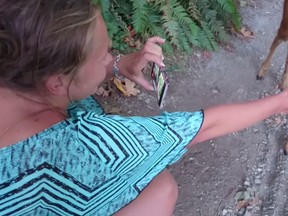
126 86
229 47
243 204
131 31
206 54
247 33
132 43
103 92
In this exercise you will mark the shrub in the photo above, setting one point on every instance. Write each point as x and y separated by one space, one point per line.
183 23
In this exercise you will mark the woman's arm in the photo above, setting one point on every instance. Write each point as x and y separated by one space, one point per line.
224 119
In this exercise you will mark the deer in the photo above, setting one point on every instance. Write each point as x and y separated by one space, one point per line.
281 36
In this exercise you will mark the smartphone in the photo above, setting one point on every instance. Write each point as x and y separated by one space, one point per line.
160 83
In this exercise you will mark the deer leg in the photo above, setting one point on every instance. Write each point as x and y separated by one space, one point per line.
284 83
266 64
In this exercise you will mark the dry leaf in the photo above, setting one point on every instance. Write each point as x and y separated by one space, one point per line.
207 54
247 33
229 47
243 204
126 86
131 31
102 92
132 43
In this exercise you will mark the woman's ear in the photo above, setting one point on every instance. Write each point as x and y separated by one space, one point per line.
57 84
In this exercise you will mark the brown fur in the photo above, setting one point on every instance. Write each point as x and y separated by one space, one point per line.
282 36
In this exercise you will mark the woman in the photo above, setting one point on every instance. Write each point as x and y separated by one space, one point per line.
59 153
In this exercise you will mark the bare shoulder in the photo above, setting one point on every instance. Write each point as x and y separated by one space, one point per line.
20 121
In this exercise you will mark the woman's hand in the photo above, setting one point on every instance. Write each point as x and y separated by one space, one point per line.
131 65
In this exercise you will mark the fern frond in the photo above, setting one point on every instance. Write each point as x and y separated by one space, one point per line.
104 4
229 7
139 16
212 45
185 24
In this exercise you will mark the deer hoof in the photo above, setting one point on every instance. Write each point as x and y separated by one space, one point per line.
259 77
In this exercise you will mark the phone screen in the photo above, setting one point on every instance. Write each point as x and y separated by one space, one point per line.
160 83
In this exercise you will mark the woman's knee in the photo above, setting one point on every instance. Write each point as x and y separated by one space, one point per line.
157 199
169 186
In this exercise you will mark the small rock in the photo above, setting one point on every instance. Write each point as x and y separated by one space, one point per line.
198 55
247 183
249 207
241 211
215 90
240 91
257 181
247 213
243 3
147 101
224 212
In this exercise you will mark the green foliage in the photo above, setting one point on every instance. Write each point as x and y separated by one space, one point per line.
183 23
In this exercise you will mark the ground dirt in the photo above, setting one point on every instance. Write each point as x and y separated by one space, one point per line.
243 173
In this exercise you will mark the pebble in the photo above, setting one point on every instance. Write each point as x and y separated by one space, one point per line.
240 91
241 211
249 207
198 55
224 212
247 183
247 213
147 101
257 181
215 90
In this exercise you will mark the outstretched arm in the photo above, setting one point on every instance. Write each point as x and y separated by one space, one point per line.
224 119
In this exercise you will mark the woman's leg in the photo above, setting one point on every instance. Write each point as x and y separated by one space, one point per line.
157 199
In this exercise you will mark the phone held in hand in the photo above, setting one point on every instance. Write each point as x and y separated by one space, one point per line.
160 83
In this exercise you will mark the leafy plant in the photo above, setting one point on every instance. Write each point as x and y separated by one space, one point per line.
183 23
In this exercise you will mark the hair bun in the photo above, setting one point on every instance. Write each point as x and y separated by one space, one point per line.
8 47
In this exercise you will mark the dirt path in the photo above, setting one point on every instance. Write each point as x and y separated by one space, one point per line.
248 168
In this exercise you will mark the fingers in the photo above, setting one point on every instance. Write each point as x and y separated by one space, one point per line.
156 40
152 57
144 83
152 52
135 62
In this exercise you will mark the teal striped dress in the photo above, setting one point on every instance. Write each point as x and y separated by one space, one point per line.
91 163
